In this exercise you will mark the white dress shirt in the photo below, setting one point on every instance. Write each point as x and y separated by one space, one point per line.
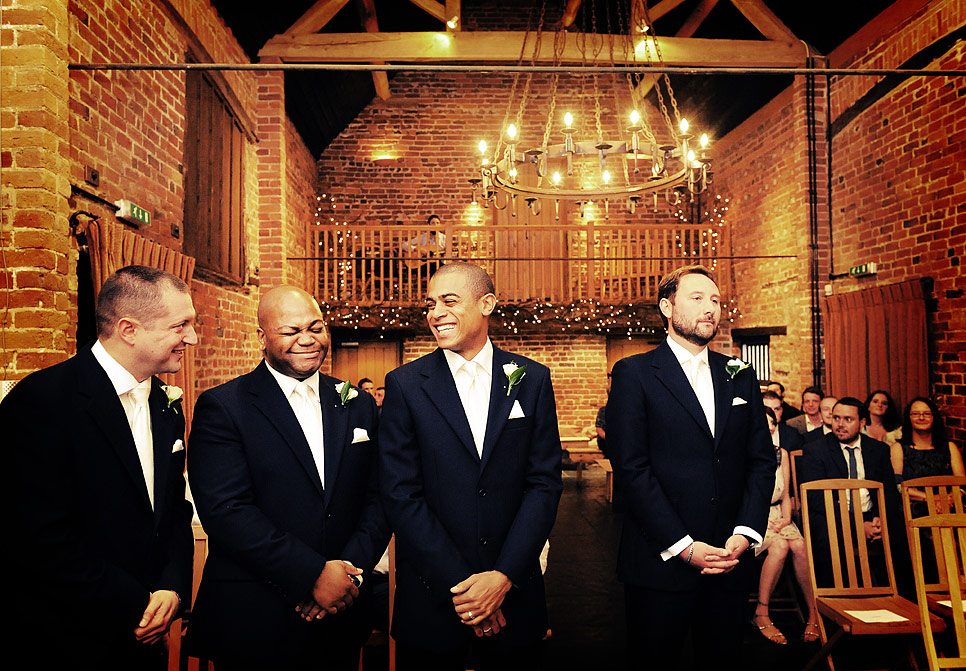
309 415
474 388
859 469
698 372
123 383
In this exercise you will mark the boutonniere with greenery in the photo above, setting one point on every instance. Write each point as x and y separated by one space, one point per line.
346 392
735 366
514 374
174 394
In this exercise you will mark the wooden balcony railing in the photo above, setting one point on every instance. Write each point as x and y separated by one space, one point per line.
609 263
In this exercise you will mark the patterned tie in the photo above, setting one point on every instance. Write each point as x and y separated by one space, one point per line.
141 431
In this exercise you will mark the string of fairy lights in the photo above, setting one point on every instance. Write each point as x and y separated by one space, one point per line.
590 316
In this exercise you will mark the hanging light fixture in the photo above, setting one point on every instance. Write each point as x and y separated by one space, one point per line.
640 161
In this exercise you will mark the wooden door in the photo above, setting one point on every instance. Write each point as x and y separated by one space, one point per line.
356 359
618 348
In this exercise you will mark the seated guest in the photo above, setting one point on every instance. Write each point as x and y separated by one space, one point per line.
924 450
847 453
366 385
788 410
781 537
785 437
825 407
811 417
883 417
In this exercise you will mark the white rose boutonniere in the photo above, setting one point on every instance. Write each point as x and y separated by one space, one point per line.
346 392
514 374
735 366
174 394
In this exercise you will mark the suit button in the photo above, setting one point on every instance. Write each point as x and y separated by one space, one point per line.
482 541
328 516
482 492
714 500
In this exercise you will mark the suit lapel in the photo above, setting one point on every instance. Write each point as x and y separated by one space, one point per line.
104 407
724 394
838 467
335 424
271 402
672 376
441 390
500 402
163 439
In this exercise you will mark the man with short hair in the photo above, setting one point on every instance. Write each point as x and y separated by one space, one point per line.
283 470
811 417
788 410
470 470
366 385
825 407
847 453
689 443
94 485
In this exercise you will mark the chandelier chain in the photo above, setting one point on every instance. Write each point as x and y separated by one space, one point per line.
516 77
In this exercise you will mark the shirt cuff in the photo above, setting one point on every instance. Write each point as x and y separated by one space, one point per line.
677 548
753 536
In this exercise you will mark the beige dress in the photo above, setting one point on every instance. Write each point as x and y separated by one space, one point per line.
791 531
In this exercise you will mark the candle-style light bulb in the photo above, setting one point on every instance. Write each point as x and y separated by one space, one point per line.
606 176
704 140
691 157
556 178
684 125
482 146
635 117
569 119
511 131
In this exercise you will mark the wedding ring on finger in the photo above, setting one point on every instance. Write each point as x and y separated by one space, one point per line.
469 615
487 631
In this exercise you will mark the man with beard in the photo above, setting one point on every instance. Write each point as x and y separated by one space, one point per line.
695 464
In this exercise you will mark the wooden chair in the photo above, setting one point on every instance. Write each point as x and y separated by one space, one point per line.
793 458
852 601
948 534
379 637
176 661
943 496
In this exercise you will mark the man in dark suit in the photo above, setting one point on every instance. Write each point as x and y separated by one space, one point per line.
847 453
470 468
785 436
283 471
693 459
789 411
94 485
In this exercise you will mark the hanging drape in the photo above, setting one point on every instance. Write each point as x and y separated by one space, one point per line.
876 339
111 247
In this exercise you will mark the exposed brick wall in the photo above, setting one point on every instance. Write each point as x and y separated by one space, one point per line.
130 127
897 197
39 293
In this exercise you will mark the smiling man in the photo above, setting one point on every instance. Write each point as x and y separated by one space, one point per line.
692 455
470 472
94 485
283 472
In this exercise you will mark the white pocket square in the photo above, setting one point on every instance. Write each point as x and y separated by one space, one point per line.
516 411
178 446
737 400
359 435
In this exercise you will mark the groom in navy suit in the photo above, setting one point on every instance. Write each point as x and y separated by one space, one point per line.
694 461
470 476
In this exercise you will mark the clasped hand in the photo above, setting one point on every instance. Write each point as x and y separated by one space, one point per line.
157 617
477 601
873 529
713 560
332 592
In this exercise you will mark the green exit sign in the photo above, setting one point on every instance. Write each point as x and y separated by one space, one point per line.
133 213
864 269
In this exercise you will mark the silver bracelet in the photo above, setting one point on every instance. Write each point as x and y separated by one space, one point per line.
690 552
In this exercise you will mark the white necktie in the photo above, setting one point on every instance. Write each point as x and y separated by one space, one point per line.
308 411
703 388
140 421
476 403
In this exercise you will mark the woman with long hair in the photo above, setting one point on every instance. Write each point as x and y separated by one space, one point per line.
883 417
924 449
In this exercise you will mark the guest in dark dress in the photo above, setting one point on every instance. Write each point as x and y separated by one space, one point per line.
924 449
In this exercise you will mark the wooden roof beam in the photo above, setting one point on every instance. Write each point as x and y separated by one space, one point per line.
316 17
765 20
435 9
380 80
505 47
697 17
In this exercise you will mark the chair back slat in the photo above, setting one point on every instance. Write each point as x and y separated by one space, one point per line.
947 529
943 495
845 531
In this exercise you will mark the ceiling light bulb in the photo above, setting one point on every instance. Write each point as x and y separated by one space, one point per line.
568 119
511 131
635 117
606 176
704 140
684 125
556 178
482 146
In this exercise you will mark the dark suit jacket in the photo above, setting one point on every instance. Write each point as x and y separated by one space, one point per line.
823 459
456 514
676 478
86 547
789 439
271 526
